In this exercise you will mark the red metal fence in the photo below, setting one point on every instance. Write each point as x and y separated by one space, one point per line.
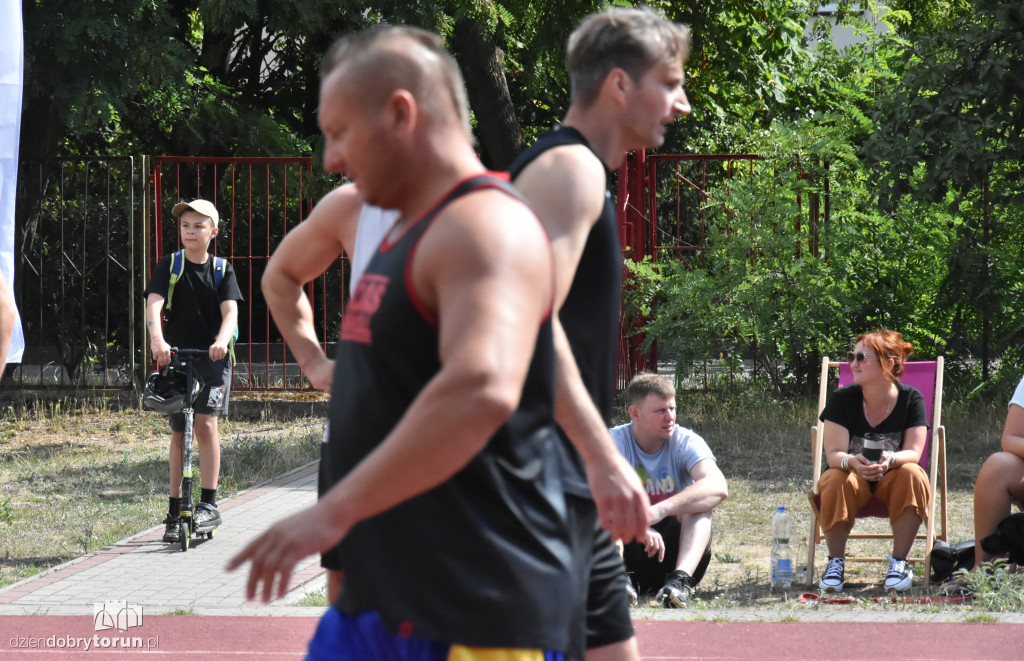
666 204
259 200
678 191
78 265
633 222
663 203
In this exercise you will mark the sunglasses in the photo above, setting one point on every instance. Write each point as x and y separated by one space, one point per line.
858 357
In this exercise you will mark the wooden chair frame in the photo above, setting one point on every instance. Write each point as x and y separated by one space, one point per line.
933 460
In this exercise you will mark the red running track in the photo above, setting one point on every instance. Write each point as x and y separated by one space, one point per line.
58 638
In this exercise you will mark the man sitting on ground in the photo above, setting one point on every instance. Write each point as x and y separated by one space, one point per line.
684 484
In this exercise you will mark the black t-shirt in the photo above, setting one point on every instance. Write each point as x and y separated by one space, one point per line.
846 408
590 313
194 318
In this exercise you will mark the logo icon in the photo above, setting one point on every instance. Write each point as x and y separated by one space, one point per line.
118 615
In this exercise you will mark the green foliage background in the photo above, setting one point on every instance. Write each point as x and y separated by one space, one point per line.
914 136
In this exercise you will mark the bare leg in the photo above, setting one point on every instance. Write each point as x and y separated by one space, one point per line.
1001 479
904 530
835 539
209 448
334 580
177 440
625 651
694 535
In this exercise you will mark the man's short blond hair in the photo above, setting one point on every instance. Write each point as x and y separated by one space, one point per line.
633 40
386 58
646 384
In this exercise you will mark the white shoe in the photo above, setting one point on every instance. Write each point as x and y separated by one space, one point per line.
832 579
899 577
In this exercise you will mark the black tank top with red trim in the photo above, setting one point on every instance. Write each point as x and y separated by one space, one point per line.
483 559
590 313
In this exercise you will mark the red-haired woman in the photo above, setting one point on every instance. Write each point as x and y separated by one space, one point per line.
879 407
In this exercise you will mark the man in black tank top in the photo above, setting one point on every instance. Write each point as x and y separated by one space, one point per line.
448 508
626 72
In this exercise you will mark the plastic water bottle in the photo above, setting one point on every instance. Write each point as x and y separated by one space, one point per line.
782 555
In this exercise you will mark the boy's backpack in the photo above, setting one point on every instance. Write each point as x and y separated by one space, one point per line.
219 267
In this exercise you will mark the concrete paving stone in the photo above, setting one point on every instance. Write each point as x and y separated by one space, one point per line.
151 571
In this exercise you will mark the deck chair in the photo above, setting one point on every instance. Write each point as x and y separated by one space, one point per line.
926 376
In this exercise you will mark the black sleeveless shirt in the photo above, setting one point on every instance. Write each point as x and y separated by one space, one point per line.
590 313
483 559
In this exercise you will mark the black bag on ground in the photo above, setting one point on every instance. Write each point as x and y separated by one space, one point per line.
947 558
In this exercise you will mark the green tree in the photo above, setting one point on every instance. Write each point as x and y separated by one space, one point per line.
212 78
782 290
741 73
952 131
957 109
83 64
928 17
931 247
221 77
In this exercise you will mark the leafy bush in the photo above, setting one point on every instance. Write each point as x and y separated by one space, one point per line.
785 281
995 587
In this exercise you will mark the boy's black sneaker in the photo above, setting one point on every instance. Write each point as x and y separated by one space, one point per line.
207 517
676 591
172 532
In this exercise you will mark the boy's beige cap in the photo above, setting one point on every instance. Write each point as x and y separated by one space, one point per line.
204 207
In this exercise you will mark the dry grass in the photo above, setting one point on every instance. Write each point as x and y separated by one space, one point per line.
73 481
763 447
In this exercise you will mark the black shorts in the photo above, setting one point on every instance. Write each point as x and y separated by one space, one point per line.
648 573
213 398
330 558
603 606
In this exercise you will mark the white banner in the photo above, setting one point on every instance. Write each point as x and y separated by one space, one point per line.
11 72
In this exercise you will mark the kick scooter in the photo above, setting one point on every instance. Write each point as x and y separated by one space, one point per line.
193 385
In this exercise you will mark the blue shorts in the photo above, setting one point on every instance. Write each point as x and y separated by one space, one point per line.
341 637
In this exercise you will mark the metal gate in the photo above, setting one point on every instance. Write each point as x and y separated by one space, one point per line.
73 272
259 200
678 195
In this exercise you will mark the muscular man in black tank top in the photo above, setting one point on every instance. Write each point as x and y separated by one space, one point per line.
449 505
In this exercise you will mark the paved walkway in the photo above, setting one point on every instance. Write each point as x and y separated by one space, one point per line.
144 570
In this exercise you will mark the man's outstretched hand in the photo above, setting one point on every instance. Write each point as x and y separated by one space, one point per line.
275 553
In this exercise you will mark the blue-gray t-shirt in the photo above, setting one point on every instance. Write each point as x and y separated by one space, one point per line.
666 472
